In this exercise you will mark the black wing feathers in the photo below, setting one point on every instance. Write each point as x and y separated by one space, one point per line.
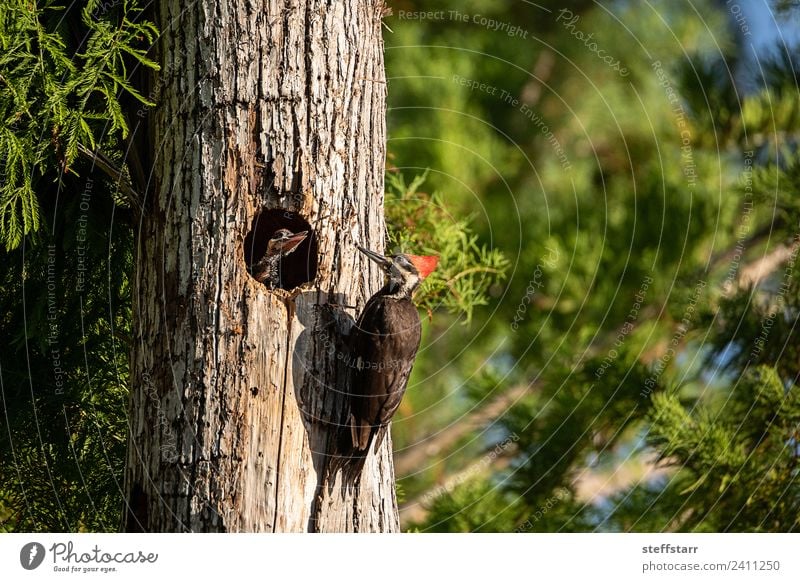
385 342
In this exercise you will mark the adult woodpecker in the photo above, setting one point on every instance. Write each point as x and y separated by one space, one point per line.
267 269
385 341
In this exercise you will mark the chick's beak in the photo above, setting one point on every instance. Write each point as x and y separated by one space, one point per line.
291 243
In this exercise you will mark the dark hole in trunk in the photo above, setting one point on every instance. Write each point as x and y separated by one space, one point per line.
295 268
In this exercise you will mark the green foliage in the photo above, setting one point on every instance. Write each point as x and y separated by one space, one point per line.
738 461
471 507
64 367
775 185
616 292
423 223
59 97
65 310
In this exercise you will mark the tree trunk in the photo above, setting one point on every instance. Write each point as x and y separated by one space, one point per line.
237 392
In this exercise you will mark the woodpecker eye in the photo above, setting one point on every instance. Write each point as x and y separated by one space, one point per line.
281 234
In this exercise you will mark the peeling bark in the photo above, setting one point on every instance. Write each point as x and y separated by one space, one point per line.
237 391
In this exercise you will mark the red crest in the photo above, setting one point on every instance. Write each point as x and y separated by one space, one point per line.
425 265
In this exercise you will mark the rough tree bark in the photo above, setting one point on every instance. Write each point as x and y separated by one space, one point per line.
236 391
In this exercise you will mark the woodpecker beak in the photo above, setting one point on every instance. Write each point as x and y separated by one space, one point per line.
380 259
291 243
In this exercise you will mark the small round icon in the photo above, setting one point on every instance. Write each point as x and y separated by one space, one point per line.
31 555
